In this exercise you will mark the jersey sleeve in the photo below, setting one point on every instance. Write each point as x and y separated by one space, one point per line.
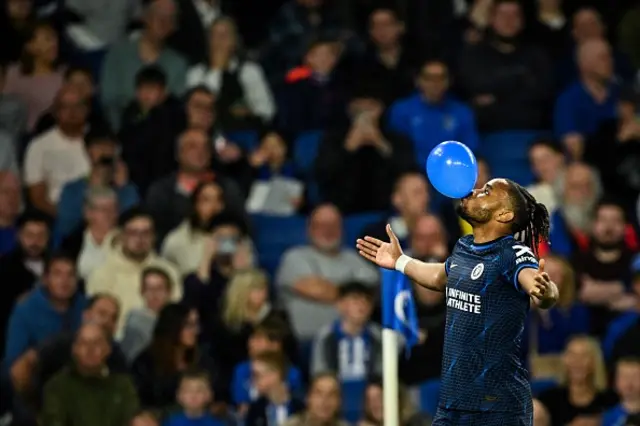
518 257
447 265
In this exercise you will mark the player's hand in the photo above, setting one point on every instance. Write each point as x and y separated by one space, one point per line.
542 283
382 254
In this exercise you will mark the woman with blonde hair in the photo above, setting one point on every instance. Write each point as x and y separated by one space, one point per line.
582 391
373 407
245 305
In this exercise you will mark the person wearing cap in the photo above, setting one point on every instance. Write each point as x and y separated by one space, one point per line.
106 170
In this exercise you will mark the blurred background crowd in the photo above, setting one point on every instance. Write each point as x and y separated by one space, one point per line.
182 183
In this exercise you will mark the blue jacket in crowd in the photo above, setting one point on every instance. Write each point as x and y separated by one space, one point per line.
181 419
241 383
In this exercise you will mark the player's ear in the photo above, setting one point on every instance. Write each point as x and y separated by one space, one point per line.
505 216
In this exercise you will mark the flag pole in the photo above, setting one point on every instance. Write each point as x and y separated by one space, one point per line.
389 353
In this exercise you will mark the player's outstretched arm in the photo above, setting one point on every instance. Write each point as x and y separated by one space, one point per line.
537 284
390 256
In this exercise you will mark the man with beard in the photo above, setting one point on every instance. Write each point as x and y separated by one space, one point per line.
309 276
603 269
571 222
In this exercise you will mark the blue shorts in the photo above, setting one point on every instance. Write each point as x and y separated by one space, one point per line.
446 417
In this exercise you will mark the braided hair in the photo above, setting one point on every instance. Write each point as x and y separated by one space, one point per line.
531 219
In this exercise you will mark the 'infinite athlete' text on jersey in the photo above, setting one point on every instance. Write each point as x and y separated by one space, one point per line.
486 313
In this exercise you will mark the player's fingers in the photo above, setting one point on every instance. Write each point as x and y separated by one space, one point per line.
367 245
545 277
372 240
541 265
541 280
369 251
392 237
367 256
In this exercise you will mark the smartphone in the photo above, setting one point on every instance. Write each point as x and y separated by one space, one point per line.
220 143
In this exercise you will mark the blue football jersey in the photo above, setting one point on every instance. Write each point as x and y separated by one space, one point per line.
482 368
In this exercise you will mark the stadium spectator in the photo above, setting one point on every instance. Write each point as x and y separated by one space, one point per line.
358 162
548 164
550 27
17 16
389 66
80 79
13 113
194 397
603 269
52 307
91 244
268 337
156 288
38 76
184 246
127 57
313 95
275 403
540 414
21 267
193 21
151 92
508 82
433 108
145 418
270 159
595 91
172 351
571 221
309 277
120 273
324 400
627 385
582 393
88 391
243 96
374 407
168 197
58 156
245 308
10 205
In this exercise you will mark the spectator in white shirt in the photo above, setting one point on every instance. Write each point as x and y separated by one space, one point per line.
58 156
240 85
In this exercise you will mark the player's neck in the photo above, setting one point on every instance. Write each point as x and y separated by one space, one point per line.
351 328
482 234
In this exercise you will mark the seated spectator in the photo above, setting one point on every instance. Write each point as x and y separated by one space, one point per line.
309 277
324 400
120 273
107 171
410 201
244 99
145 418
268 337
357 163
603 269
172 351
10 205
271 159
58 156
91 243
596 92
17 16
582 394
151 92
547 332
194 397
548 164
87 391
313 94
127 57
432 115
276 402
23 266
245 307
540 414
508 82
156 287
38 76
627 385
53 307
168 198
374 407
82 80
184 246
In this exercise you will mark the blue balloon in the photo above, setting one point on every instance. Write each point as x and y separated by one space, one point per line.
452 169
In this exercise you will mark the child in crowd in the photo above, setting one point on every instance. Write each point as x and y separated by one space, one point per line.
156 287
151 91
276 403
627 385
264 339
195 397
270 159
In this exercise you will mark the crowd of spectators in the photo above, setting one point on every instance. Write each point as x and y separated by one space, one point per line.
180 181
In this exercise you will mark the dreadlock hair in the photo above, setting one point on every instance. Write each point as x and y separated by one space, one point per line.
531 219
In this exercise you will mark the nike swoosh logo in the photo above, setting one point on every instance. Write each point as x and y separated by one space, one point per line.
453 265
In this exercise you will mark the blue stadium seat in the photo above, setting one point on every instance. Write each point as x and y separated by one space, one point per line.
274 235
353 400
507 154
305 150
429 395
540 385
354 224
248 140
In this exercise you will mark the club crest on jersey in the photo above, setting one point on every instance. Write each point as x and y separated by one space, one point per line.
477 271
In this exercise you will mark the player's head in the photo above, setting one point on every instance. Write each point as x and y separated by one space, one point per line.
508 206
